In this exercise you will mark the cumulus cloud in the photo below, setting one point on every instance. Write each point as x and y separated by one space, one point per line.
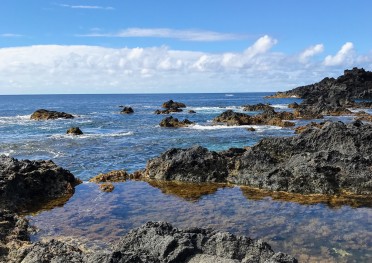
343 56
262 45
87 7
185 35
93 69
310 52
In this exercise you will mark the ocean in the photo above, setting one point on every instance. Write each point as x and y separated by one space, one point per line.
309 230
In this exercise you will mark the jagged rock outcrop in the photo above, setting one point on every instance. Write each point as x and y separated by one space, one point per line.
173 104
127 110
74 131
171 122
257 107
24 182
327 160
196 164
26 185
160 242
42 114
268 117
332 96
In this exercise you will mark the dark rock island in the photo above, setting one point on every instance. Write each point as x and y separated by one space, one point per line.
42 114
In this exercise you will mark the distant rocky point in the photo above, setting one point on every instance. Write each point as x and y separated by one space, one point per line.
42 114
332 96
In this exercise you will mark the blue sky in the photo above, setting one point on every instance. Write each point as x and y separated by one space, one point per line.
87 46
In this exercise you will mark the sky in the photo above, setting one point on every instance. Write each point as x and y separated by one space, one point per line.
179 46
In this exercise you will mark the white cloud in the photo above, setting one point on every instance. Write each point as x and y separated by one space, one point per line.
262 45
10 35
310 52
92 69
185 35
343 56
87 7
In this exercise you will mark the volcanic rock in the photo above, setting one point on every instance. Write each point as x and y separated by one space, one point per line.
25 182
168 111
161 242
74 131
174 122
325 160
196 164
257 107
173 104
127 110
42 114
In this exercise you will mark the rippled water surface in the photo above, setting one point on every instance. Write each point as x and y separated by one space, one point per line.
324 230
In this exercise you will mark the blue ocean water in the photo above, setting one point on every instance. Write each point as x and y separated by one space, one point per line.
313 232
117 141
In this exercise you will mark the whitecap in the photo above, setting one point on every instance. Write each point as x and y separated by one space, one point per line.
222 127
280 106
91 135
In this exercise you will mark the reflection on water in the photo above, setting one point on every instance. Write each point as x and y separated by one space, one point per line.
312 231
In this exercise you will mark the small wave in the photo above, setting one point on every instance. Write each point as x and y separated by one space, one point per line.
215 109
280 106
222 127
19 119
92 135
229 95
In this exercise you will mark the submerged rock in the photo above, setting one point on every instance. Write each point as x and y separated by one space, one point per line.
327 160
74 131
174 122
112 176
24 183
168 111
42 114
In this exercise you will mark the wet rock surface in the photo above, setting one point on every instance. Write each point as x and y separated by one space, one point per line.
268 117
43 114
127 110
74 131
24 182
173 104
257 107
171 122
325 160
26 185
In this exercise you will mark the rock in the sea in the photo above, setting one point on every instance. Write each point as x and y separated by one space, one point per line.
168 111
107 187
127 110
268 117
192 111
196 164
293 105
24 183
161 242
174 122
112 176
257 107
173 104
42 114
74 131
328 159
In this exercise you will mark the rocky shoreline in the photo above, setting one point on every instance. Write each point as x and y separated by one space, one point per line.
29 184
323 160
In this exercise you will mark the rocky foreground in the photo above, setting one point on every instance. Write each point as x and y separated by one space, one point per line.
26 185
326 159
